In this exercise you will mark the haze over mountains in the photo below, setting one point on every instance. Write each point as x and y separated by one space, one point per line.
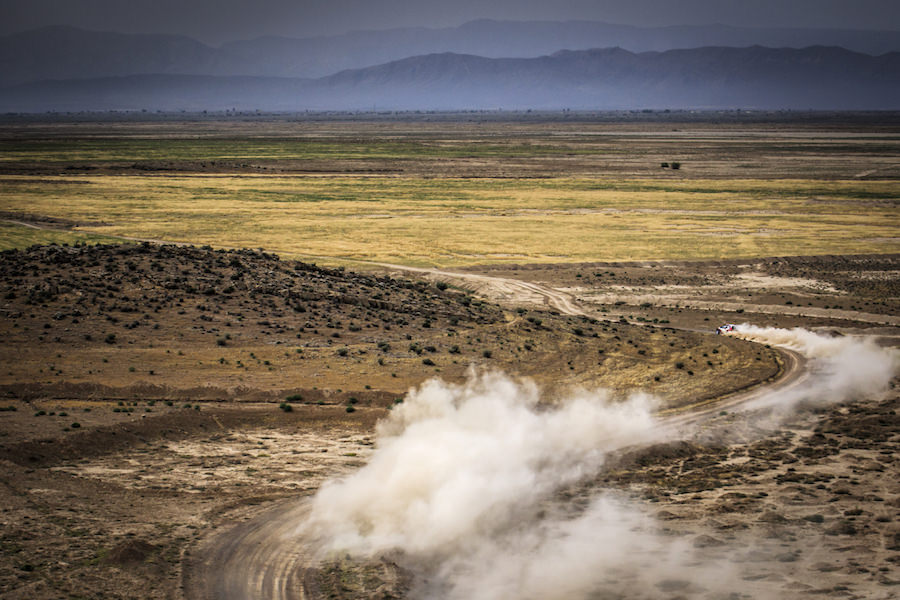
480 65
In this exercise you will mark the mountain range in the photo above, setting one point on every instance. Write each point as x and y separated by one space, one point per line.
826 78
480 65
70 53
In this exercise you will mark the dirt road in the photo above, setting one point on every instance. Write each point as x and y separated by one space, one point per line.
501 289
264 559
259 558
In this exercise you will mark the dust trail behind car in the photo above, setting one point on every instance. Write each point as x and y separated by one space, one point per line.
841 366
468 484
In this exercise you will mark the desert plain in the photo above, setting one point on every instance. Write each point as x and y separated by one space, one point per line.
205 317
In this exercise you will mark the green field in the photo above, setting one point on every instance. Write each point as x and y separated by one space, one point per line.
130 150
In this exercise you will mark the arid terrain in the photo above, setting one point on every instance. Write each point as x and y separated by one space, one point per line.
170 410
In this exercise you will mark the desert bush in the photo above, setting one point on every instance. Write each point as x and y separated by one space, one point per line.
817 518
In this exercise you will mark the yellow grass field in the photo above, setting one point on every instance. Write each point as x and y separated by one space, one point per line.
455 222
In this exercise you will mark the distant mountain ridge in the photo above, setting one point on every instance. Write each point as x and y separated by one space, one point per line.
70 53
825 78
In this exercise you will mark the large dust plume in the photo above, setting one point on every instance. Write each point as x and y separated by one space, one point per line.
455 462
485 491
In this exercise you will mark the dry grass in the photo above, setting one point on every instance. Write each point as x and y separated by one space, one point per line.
452 222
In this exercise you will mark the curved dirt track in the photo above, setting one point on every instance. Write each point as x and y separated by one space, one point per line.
259 558
793 374
264 559
505 288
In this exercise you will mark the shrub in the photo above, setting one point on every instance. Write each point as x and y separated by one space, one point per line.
814 518
75 425
350 408
286 407
294 398
487 354
428 362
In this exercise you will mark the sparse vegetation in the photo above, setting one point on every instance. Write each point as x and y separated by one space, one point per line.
247 325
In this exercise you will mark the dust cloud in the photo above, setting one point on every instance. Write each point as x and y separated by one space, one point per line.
481 490
840 367
455 463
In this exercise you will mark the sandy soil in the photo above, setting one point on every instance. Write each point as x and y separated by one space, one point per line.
135 500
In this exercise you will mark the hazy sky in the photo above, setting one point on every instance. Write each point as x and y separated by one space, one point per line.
215 21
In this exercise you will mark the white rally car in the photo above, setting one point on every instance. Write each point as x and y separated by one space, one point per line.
727 328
